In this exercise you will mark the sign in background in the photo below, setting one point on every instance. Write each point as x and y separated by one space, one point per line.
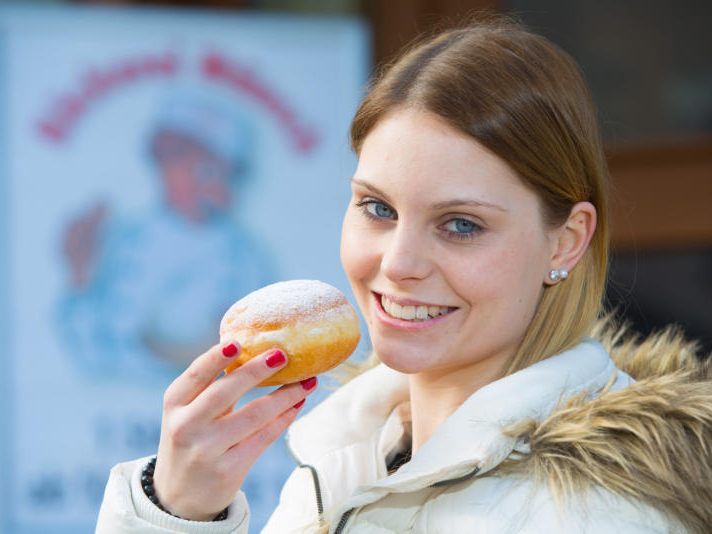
157 165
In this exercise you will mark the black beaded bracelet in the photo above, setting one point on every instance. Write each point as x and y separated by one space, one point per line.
150 491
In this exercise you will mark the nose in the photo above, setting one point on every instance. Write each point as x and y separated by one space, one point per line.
406 256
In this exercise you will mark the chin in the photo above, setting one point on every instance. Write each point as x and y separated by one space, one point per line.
403 360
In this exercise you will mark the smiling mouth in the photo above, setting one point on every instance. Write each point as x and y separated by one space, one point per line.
414 313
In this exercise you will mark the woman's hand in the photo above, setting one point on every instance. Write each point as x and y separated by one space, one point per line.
206 449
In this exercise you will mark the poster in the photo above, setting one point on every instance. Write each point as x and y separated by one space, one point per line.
158 166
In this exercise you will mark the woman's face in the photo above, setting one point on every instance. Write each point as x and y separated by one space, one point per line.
444 247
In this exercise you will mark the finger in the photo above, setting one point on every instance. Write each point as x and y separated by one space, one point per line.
224 393
200 374
258 413
249 449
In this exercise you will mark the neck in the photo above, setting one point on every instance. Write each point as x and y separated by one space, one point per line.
436 394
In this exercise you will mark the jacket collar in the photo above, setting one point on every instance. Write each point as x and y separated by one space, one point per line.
373 408
354 413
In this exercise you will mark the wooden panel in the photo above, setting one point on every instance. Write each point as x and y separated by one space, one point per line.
662 195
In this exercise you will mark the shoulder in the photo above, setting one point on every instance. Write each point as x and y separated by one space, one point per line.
515 504
640 447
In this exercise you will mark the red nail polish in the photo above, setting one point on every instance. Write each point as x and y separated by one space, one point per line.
309 383
300 404
230 350
275 359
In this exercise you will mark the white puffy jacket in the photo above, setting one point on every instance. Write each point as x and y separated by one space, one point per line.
456 483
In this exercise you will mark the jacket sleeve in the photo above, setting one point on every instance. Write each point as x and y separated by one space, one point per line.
126 509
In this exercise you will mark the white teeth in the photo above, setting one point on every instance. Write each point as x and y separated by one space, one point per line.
408 313
386 304
411 313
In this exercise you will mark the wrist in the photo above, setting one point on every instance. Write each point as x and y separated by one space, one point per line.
147 483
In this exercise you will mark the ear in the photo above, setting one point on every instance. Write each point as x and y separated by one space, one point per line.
572 238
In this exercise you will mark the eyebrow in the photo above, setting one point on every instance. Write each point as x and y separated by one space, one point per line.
438 205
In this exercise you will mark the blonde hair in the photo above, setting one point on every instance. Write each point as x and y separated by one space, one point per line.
524 99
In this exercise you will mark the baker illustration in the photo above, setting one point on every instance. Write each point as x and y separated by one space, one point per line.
145 294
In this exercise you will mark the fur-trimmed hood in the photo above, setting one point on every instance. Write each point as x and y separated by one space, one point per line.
651 441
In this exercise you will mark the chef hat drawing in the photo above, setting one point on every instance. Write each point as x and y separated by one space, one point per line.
218 125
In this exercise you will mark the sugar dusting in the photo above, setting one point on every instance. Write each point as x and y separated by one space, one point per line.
284 300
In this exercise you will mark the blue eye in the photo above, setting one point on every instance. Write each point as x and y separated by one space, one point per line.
377 210
381 210
461 228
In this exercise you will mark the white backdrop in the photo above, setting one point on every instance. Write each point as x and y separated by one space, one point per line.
82 91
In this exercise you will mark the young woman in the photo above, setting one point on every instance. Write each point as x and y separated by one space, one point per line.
476 247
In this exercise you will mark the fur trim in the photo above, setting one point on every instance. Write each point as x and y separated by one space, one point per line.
650 442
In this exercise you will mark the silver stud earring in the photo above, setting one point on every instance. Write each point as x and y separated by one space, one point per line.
555 275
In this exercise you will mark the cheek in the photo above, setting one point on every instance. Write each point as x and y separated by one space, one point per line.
506 276
522 267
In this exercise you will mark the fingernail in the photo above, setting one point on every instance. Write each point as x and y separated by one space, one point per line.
275 359
309 383
230 350
300 404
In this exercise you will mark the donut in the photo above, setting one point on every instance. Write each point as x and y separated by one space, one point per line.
312 322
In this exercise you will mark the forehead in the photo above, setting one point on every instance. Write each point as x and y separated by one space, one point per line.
415 153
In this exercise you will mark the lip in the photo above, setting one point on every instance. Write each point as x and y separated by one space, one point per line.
401 324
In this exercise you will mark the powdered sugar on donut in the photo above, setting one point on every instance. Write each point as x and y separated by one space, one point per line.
284 301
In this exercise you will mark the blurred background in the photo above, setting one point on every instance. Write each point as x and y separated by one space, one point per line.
163 158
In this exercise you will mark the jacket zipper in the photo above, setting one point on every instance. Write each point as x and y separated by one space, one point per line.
344 519
315 480
317 491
